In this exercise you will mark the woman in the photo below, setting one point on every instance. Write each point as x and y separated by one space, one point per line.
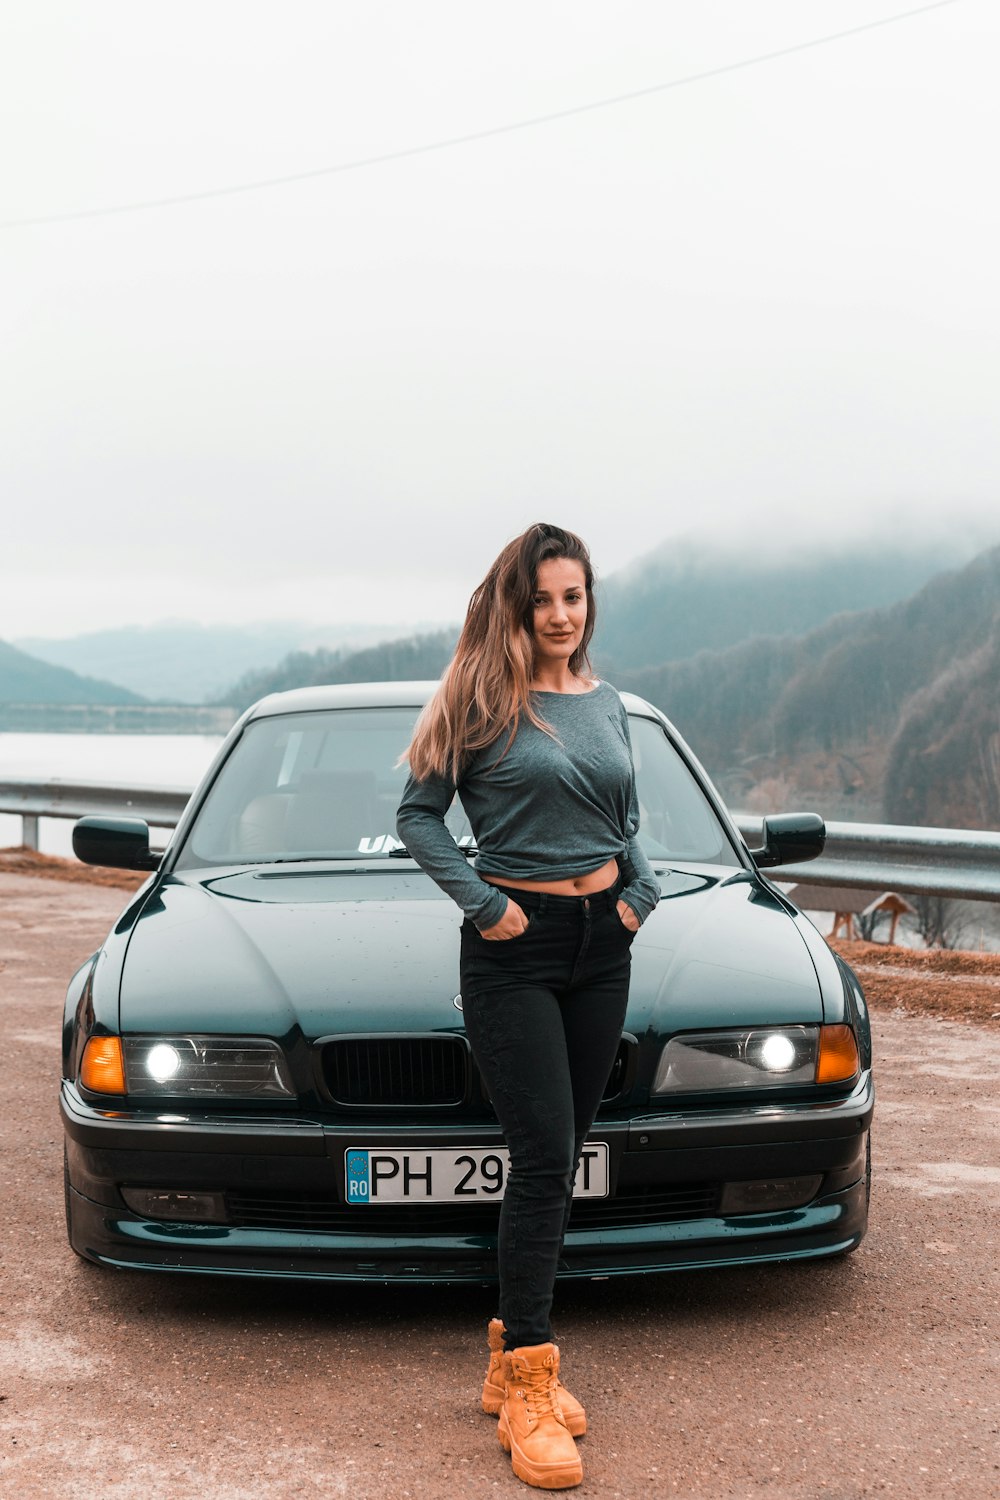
540 755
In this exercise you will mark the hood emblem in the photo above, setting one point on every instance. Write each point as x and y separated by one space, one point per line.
457 1002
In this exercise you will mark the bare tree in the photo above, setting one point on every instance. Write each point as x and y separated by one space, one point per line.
940 922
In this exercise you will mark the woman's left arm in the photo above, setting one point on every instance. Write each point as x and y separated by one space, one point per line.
642 889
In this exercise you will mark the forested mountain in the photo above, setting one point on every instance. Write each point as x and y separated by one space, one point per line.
726 701
25 679
911 690
943 765
416 657
680 599
672 604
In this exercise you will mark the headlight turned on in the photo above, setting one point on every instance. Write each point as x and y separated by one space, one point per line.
757 1057
207 1067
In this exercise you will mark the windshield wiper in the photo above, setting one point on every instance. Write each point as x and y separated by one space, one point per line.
311 859
467 849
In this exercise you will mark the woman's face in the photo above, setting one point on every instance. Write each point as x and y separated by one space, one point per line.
560 609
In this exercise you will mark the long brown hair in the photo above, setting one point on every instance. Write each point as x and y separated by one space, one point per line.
486 686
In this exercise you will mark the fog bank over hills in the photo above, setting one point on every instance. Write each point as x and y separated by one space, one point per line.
673 603
687 595
690 595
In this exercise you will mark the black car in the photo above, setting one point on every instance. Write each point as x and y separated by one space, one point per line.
265 1069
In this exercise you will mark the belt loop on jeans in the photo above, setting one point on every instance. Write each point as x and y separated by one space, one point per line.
543 903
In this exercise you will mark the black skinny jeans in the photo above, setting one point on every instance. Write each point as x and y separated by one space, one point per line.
544 1014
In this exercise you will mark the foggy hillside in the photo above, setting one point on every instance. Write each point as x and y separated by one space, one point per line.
869 702
181 661
682 599
943 762
25 679
669 605
666 606
414 658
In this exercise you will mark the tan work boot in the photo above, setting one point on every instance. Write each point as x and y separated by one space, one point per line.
573 1413
531 1428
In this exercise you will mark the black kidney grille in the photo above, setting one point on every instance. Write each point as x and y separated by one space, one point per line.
303 1212
413 1071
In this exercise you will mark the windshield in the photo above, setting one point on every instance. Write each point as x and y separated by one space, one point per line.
325 785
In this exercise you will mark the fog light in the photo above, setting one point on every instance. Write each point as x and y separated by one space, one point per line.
176 1203
764 1197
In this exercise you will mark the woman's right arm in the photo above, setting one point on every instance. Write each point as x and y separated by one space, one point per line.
421 826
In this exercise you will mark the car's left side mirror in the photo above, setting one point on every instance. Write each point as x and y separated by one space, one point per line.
122 843
790 839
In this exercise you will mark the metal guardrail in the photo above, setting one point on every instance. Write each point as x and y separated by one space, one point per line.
950 862
159 805
954 862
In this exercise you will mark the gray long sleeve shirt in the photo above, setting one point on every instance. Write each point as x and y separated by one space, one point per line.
547 809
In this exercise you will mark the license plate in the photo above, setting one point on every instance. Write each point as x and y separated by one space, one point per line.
452 1175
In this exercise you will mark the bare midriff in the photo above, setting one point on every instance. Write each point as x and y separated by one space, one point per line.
573 885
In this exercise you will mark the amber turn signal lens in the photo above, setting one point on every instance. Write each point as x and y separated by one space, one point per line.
103 1068
838 1055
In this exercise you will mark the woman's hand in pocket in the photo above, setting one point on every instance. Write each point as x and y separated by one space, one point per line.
511 925
627 917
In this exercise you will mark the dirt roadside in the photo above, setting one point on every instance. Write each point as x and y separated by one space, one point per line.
20 860
952 985
876 1375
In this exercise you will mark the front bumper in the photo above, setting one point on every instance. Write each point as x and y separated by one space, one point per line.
283 1159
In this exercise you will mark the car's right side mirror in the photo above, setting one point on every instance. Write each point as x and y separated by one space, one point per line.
790 839
122 843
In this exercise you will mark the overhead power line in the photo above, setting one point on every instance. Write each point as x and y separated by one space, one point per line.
450 142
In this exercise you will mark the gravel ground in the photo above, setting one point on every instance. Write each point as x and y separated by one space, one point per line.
949 985
875 1375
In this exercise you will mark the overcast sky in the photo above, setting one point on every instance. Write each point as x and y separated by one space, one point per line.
760 305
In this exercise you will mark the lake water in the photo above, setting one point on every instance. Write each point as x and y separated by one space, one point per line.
177 760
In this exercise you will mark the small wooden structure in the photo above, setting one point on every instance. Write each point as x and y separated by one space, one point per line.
846 903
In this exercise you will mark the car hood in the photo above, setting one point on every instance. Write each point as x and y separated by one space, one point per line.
273 953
